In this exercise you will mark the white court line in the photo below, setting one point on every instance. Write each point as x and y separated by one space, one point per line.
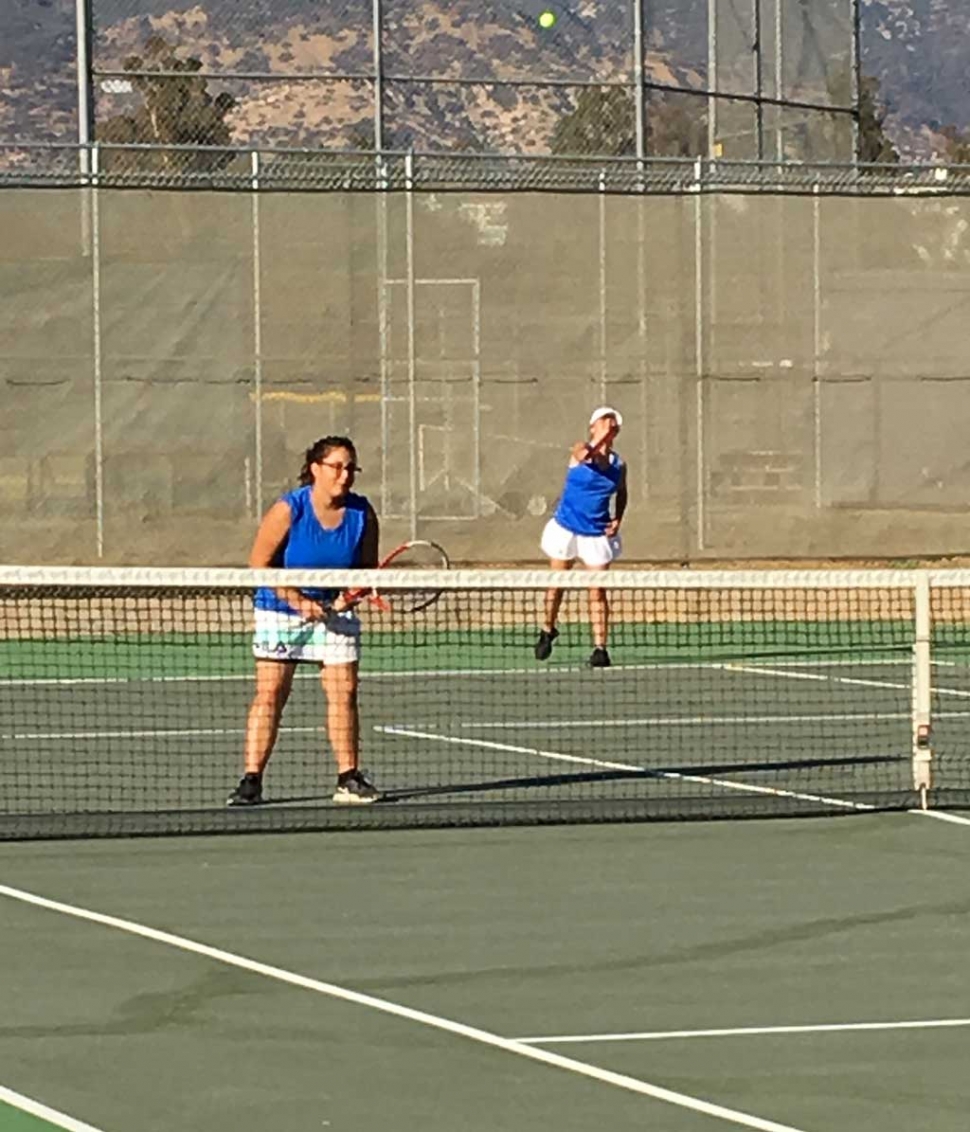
559 756
942 815
937 814
841 680
858 661
75 681
403 674
473 1033
486 725
648 721
687 720
825 679
42 1112
747 1031
706 780
422 673
147 733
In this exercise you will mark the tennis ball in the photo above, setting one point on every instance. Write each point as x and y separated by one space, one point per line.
547 20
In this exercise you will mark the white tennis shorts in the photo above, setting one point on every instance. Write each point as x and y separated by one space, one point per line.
591 550
281 636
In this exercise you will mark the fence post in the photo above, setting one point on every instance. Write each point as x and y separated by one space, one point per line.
856 76
377 31
699 359
85 114
85 83
712 60
601 241
96 348
257 332
779 80
412 359
817 340
383 326
640 108
759 106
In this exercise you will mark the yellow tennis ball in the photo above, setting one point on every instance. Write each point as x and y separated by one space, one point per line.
547 20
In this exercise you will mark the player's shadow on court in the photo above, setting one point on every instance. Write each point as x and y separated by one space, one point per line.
538 782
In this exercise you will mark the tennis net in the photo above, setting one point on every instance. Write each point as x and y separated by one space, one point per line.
730 694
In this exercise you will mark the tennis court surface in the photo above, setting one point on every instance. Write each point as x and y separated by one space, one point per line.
730 694
619 971
790 975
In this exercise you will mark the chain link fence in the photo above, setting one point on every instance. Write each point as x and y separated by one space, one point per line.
790 359
737 79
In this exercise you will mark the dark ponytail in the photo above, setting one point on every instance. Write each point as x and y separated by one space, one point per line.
320 448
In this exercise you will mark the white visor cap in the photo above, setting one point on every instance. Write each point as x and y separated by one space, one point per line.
606 411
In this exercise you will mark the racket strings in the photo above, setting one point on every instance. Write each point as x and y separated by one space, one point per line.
419 554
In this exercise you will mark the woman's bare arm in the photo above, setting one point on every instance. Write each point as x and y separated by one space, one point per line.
270 536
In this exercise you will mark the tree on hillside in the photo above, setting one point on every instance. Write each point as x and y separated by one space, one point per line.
875 146
360 136
603 124
176 110
956 145
676 125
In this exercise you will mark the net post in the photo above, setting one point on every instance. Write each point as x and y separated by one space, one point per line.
922 684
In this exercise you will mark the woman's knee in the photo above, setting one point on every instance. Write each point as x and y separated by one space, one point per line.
271 694
340 682
271 702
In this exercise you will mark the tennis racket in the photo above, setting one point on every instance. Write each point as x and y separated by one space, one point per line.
418 554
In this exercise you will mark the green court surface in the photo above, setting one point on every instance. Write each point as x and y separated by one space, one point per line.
12 1120
464 745
197 654
15 1120
23 1114
766 718
792 975
123 708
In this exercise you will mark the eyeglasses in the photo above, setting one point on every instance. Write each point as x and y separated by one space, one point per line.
350 469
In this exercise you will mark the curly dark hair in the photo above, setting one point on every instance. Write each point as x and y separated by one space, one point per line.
320 448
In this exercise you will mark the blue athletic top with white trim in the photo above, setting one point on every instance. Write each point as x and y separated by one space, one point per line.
584 506
310 546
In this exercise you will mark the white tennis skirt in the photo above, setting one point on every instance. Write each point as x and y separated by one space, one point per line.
281 636
591 550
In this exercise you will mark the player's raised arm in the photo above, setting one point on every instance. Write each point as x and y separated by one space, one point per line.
619 507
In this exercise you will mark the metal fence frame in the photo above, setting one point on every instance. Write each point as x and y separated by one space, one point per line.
89 74
407 174
65 165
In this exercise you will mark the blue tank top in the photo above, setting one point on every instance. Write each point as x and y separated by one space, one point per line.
584 506
309 546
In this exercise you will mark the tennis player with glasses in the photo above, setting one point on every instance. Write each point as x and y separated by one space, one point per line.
321 525
582 527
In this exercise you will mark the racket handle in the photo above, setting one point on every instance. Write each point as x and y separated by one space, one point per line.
338 624
354 597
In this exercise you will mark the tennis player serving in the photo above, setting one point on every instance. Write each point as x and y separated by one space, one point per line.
321 525
582 527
